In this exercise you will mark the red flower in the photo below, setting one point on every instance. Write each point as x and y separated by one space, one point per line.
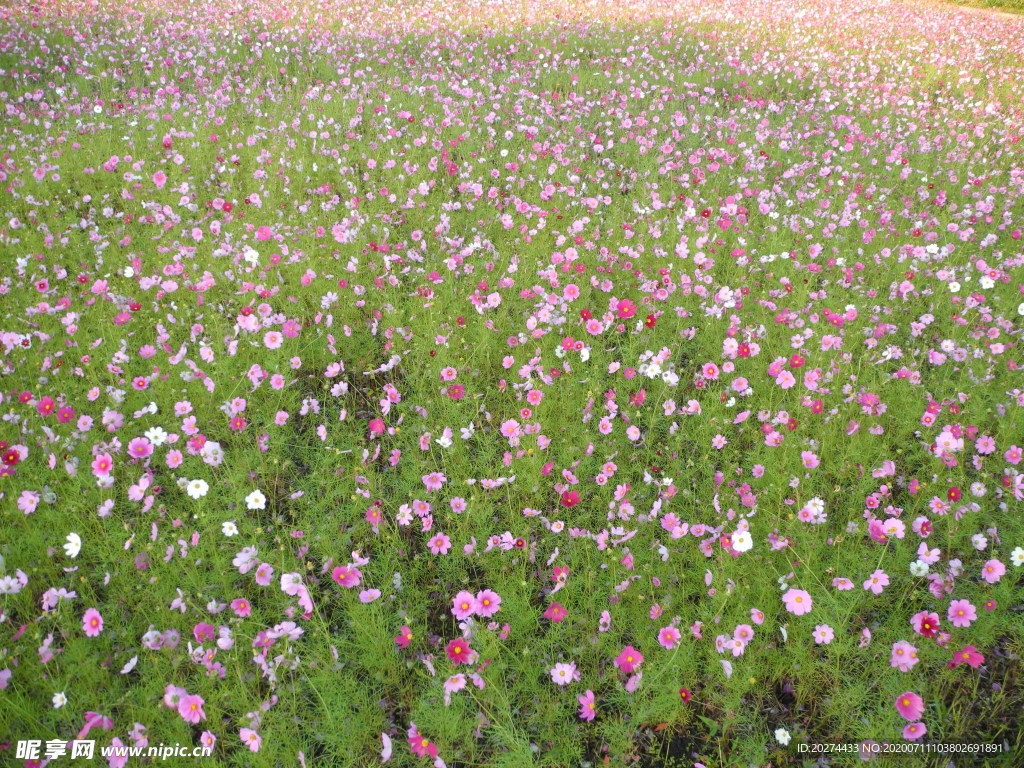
650 320
685 695
570 499
953 494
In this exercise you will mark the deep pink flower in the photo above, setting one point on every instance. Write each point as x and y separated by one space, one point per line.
924 623
404 637
967 655
459 651
555 613
347 575
629 659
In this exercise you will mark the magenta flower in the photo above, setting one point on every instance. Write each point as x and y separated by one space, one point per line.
587 709
92 623
967 655
140 448
925 623
798 602
102 465
404 637
961 613
909 705
347 575
555 613
914 731
419 745
459 652
629 659
464 605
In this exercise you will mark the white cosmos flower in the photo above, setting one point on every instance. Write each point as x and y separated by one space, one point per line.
782 736
1020 309
954 287
156 435
742 541
229 528
73 545
919 568
1017 556
256 500
197 488
59 700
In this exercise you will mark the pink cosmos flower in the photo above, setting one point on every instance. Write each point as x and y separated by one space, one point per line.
140 448
904 656
629 659
909 705
967 655
914 731
453 684
993 571
555 613
102 465
798 602
961 613
419 745
924 623
458 651
464 605
347 575
439 544
92 623
191 708
877 581
669 637
241 607
823 634
563 674
587 709
404 637
487 603
434 481
251 739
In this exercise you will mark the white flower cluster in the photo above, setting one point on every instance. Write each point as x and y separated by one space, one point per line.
656 366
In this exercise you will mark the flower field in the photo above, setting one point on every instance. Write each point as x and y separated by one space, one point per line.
498 383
